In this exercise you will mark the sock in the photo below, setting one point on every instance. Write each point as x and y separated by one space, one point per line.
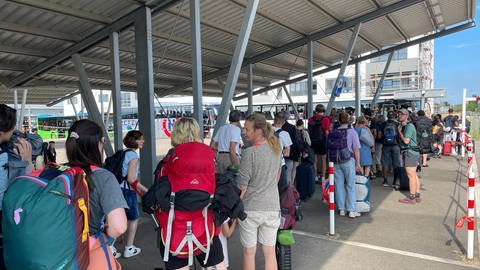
412 196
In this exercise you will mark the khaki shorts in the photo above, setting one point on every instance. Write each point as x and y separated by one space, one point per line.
261 224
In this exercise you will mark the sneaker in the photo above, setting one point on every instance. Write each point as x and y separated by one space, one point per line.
417 198
396 187
354 214
115 253
385 184
316 180
408 200
342 213
131 251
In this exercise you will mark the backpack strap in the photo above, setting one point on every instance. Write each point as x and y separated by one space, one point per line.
204 213
99 235
171 216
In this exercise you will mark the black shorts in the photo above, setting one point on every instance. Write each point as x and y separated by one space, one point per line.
215 257
320 147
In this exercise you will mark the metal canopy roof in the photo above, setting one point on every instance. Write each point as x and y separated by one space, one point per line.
37 37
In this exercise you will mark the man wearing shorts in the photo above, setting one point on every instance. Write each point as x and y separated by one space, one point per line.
407 136
318 129
391 157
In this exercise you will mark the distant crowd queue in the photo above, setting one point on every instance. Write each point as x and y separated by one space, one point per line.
68 216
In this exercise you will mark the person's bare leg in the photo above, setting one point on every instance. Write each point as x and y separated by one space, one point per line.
315 164
412 179
131 231
366 170
249 258
417 191
220 266
323 165
425 156
294 170
270 257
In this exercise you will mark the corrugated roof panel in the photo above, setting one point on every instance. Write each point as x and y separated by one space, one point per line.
453 11
302 15
413 20
345 9
380 25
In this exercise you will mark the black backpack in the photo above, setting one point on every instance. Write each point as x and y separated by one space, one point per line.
114 164
315 129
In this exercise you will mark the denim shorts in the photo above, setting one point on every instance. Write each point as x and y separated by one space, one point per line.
132 202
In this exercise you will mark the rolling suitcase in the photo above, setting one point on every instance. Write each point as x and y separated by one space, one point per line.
447 148
305 180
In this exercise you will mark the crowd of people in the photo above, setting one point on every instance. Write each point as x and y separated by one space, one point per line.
261 154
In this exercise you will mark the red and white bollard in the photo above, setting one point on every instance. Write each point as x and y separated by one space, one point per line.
470 213
331 197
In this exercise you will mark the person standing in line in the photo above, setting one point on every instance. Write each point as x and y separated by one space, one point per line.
50 153
424 127
366 144
294 148
286 144
8 119
84 147
407 136
226 143
391 156
258 176
344 172
133 141
318 129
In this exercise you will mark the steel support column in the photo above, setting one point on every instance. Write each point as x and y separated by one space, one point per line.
309 109
116 91
295 111
144 65
89 99
22 110
358 98
250 89
380 83
74 109
237 59
346 58
196 46
15 104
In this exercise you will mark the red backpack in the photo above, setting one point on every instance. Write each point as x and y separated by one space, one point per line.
187 230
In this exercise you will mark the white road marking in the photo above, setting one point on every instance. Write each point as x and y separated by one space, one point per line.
385 249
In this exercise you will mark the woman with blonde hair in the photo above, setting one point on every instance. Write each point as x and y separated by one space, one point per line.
258 176
190 169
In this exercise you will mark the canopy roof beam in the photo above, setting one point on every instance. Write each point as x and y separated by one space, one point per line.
382 11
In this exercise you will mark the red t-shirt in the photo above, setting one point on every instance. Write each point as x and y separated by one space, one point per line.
325 121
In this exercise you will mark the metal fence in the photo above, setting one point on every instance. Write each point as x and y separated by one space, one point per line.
475 124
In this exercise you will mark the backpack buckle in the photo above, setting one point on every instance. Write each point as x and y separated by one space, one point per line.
189 228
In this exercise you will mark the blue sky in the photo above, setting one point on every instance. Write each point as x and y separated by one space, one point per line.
457 62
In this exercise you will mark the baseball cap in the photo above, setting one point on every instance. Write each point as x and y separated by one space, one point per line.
403 111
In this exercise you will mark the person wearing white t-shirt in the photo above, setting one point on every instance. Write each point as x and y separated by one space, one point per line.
285 140
226 143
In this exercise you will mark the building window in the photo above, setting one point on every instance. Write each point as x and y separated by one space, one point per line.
301 89
103 98
397 55
348 85
126 100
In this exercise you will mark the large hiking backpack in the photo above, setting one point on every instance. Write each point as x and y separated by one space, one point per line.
45 221
390 133
315 129
424 134
337 146
187 229
290 207
114 164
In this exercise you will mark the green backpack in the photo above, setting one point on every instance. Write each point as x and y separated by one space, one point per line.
45 220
